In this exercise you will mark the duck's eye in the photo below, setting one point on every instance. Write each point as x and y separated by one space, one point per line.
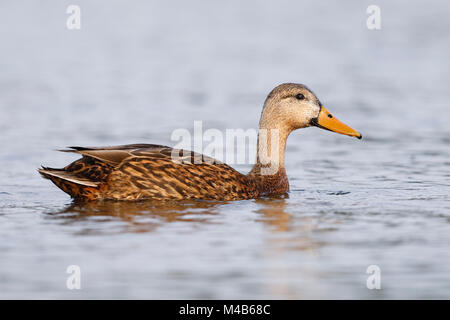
300 96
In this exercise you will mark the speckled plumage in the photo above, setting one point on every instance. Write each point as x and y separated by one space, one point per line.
136 172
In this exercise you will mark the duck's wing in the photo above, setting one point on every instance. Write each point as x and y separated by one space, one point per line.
155 170
93 168
167 173
116 154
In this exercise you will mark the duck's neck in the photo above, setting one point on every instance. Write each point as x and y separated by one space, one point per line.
269 170
270 150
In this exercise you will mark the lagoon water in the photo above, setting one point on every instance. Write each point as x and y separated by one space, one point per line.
134 73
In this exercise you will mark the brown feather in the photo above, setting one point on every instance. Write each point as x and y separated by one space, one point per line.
133 172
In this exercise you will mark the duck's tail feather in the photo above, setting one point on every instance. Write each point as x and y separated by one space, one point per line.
61 174
74 185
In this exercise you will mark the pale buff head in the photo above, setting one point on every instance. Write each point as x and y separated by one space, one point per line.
288 107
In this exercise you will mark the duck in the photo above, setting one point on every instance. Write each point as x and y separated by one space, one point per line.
157 172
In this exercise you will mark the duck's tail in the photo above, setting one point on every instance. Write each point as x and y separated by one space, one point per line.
71 183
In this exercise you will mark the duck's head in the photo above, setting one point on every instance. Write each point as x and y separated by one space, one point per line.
293 106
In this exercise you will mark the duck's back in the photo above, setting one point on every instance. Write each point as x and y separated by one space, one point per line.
145 171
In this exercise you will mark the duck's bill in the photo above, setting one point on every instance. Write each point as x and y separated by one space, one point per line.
327 121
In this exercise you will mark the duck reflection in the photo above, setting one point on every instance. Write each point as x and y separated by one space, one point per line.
140 216
291 239
292 230
273 213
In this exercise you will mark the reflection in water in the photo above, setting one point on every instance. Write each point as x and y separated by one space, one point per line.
292 236
142 216
274 213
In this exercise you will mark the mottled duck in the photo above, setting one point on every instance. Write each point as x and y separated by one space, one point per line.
148 171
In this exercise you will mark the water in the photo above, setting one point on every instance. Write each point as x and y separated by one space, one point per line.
135 73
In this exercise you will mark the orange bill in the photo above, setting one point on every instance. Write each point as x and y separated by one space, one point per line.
326 120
